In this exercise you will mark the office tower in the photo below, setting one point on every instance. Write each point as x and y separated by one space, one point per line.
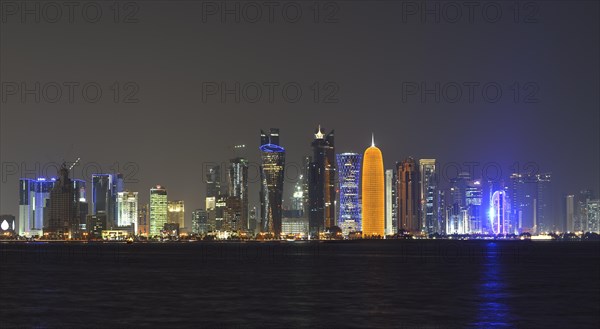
143 220
199 221
373 193
176 213
321 183
473 206
213 181
389 201
33 198
544 211
238 187
408 196
219 213
232 215
349 219
158 209
499 213
593 216
442 211
7 224
297 199
531 202
272 175
428 195
127 204
210 205
306 160
118 183
95 225
104 197
63 220
79 198
523 199
581 222
570 213
253 221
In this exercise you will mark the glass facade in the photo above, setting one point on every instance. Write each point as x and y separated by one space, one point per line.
349 219
158 209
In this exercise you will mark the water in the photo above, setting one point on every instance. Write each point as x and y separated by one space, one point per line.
400 284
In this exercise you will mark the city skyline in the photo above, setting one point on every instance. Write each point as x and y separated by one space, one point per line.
111 185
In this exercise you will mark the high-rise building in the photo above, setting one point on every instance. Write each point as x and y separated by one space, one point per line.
33 198
176 213
104 197
373 193
473 206
349 219
143 220
63 220
158 209
213 181
199 221
428 195
544 211
531 202
593 216
238 187
321 183
272 175
408 196
127 204
570 213
499 213
390 201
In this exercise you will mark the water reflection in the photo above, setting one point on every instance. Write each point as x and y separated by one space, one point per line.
493 310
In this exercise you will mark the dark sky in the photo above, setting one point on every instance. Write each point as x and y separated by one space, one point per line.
369 50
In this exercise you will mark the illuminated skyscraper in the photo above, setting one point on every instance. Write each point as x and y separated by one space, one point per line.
499 213
349 176
238 187
272 175
408 196
213 181
33 198
199 221
390 201
144 220
104 197
176 213
321 183
373 193
570 213
473 206
158 209
428 196
127 204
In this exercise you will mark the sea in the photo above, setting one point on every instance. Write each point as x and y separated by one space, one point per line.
301 284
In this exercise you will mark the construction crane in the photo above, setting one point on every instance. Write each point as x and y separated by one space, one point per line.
74 163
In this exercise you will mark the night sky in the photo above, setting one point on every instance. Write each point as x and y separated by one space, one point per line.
367 49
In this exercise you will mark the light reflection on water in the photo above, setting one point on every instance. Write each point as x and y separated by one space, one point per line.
493 310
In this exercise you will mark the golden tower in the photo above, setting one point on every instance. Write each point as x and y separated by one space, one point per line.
373 193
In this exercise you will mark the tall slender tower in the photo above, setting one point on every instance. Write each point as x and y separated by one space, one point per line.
408 196
158 209
349 169
321 183
373 193
271 172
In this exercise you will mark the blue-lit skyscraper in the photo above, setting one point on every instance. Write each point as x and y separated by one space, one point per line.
349 219
272 175
104 197
33 196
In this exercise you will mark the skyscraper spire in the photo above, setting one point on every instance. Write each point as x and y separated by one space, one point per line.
372 139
